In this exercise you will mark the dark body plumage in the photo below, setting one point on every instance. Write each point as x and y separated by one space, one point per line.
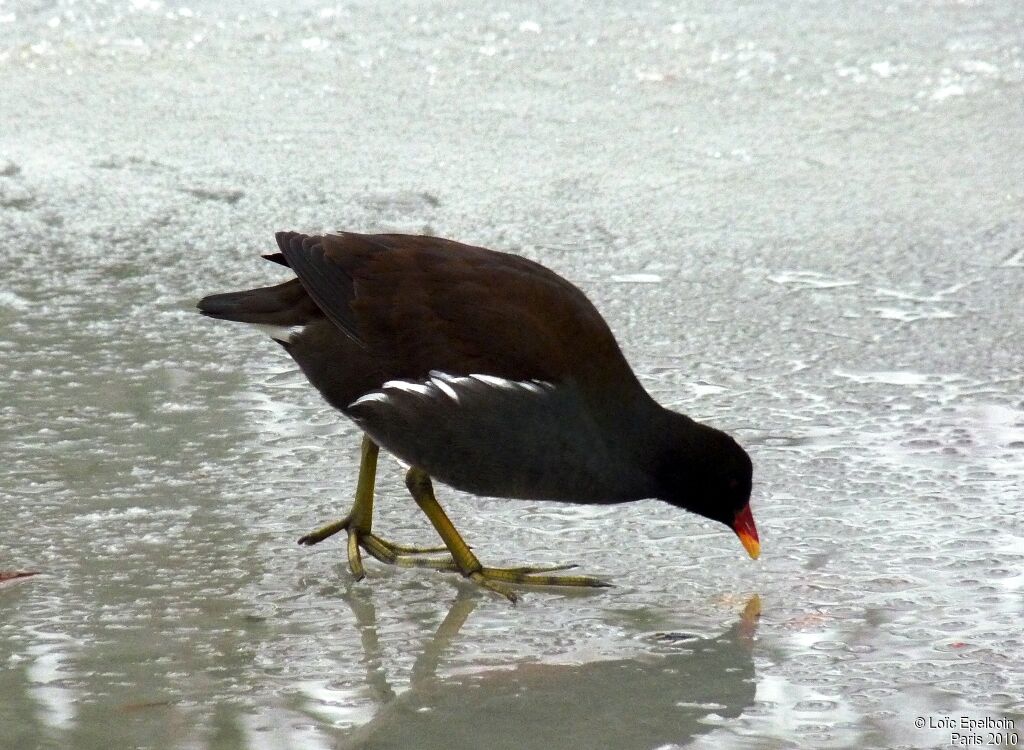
487 370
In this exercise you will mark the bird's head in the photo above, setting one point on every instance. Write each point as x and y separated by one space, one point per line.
706 472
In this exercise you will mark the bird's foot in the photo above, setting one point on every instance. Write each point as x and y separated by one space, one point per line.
501 580
377 547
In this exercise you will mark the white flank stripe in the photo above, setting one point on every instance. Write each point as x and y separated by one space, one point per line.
447 389
279 333
445 384
371 396
405 385
493 380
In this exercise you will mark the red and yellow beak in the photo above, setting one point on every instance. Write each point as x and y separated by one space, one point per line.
745 529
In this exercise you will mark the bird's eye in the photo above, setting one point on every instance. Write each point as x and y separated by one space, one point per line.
734 483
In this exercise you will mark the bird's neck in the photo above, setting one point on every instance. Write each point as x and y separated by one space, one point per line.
644 433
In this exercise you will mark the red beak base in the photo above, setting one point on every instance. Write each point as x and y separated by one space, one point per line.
745 529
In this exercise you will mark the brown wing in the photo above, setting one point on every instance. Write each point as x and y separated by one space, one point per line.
424 303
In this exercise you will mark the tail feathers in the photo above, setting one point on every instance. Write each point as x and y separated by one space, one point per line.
286 304
284 240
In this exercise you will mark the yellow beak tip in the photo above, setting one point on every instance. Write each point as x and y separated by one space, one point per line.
752 546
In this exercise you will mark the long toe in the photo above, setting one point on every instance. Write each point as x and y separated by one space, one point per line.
499 588
405 556
525 576
327 530
404 549
533 569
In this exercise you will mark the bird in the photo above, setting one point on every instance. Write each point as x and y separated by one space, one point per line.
490 373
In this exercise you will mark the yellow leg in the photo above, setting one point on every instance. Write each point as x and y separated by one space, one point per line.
359 524
495 579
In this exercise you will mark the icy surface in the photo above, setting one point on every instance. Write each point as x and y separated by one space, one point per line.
804 222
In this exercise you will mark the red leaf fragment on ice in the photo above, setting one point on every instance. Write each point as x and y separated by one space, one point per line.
10 575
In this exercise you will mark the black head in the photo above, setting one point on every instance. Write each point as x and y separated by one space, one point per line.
706 472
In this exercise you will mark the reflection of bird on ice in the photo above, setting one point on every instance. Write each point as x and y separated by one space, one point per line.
646 702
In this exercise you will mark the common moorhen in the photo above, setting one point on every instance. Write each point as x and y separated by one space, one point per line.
488 372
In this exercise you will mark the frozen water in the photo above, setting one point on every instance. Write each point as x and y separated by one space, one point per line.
804 224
